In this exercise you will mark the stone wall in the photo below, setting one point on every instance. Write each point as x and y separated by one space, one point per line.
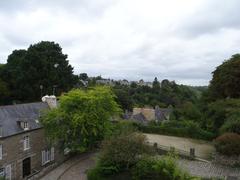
14 154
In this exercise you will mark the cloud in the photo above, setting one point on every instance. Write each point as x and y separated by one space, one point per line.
211 17
133 39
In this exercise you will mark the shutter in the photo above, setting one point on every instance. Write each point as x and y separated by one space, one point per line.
1 151
52 154
43 158
8 173
24 143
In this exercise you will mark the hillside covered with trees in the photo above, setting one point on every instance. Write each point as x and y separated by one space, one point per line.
44 69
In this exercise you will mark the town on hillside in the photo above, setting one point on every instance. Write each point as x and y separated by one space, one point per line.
113 90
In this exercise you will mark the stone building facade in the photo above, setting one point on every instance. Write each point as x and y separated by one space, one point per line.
24 150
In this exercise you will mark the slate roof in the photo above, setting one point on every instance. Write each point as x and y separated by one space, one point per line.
10 115
162 113
139 118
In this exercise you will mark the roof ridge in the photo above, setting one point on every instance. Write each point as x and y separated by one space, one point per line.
3 106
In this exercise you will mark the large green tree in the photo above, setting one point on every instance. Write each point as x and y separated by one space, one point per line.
226 79
42 64
220 112
82 118
4 90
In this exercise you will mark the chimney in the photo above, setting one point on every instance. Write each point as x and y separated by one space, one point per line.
50 100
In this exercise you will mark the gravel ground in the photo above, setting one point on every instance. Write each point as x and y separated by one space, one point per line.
207 169
203 149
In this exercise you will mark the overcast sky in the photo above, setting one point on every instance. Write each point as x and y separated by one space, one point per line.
181 40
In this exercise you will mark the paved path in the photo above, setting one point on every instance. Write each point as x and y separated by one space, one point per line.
72 169
205 169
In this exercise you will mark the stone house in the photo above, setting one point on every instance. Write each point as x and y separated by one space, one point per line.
145 115
24 150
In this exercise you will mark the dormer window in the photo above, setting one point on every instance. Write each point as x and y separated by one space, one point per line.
25 125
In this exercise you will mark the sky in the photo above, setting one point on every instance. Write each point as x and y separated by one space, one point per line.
181 40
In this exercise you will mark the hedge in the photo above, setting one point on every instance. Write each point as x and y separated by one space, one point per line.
184 131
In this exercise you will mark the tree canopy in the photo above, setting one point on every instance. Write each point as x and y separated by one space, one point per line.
226 79
42 64
169 93
82 118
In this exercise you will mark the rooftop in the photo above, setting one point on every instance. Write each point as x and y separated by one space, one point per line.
10 116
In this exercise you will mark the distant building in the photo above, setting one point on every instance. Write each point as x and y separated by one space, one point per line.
143 83
24 150
124 82
109 82
145 115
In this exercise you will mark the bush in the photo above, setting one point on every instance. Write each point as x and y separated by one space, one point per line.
94 174
228 144
175 128
122 151
232 125
152 168
119 152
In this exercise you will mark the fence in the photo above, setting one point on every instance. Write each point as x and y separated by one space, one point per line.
165 149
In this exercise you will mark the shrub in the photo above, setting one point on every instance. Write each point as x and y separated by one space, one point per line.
232 125
152 168
94 174
175 128
119 152
123 150
228 144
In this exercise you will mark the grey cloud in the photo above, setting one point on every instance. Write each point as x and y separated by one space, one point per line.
124 38
213 16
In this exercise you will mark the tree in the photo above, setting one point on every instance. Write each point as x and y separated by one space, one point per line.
123 99
41 64
156 85
232 124
221 111
4 92
82 118
83 76
187 111
226 79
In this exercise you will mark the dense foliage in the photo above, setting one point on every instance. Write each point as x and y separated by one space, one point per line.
209 112
189 129
220 112
226 79
120 151
228 144
232 124
162 94
82 118
126 154
154 168
42 64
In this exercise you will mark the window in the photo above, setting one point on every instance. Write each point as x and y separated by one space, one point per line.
26 143
47 156
2 173
25 125
1 151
